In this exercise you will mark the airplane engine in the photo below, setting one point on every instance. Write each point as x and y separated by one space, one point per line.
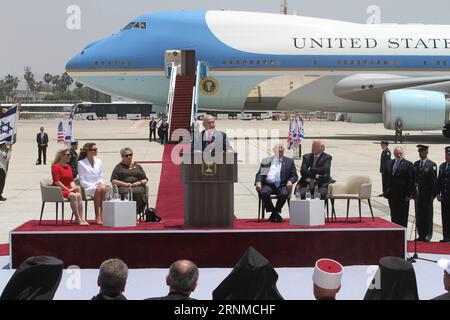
416 109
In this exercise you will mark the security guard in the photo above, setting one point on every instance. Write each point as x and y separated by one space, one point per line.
385 157
425 177
443 194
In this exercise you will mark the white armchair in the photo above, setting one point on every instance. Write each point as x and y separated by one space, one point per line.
355 187
51 193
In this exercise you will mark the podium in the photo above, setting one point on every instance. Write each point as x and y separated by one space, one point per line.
209 189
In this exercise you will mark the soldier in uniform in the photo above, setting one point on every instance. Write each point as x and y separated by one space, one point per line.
385 157
443 194
399 187
425 173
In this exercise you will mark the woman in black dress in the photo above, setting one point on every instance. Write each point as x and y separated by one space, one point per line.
129 174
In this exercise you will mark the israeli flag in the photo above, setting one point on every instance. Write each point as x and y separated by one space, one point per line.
8 124
69 132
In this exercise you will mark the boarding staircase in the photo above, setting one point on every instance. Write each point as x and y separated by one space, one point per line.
182 101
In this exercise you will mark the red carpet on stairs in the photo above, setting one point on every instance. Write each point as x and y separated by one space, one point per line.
170 201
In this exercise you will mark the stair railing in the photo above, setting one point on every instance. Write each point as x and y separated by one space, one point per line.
170 98
195 94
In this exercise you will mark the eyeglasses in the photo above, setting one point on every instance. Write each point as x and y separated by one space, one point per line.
128 155
66 154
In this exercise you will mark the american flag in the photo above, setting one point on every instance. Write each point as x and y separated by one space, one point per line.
61 132
69 132
296 132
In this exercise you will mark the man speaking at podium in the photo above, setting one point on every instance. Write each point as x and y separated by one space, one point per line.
210 139
276 175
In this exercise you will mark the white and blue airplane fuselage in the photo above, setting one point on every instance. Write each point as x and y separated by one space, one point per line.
399 71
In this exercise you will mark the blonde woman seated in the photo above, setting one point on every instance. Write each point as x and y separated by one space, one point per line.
128 174
90 172
63 177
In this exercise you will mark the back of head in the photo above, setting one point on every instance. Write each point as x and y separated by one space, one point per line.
37 278
183 276
113 276
397 281
253 278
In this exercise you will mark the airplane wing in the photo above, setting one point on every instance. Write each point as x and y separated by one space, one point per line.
371 87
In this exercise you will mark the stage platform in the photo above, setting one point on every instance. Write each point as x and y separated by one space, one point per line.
157 245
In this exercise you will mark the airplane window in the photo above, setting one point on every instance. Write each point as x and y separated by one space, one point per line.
143 25
258 62
237 62
345 61
339 62
444 63
424 62
385 62
352 62
231 61
438 63
103 63
224 62
250 62
96 63
244 62
365 62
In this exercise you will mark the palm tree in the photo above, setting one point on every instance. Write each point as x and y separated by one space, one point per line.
48 78
66 81
29 78
10 84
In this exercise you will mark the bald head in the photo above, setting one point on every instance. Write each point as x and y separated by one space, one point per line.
209 122
183 276
278 150
399 152
317 147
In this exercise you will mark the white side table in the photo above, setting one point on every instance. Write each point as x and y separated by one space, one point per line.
119 214
306 212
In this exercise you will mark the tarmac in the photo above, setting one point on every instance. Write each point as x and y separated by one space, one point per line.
355 149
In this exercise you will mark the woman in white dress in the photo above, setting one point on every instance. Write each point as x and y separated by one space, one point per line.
90 172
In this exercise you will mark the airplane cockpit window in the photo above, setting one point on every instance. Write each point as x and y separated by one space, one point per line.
136 25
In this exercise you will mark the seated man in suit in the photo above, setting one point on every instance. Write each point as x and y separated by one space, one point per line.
315 170
276 175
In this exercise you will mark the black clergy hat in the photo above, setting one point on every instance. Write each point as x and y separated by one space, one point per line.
395 280
422 147
37 278
447 149
253 278
385 142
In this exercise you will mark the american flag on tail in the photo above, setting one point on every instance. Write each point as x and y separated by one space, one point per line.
296 132
61 133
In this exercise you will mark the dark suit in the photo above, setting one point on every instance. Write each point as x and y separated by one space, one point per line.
109 297
163 132
73 162
320 172
42 143
425 180
445 296
443 189
384 158
173 296
399 185
288 172
218 143
152 129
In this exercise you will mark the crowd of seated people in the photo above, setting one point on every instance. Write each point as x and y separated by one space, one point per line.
89 171
253 278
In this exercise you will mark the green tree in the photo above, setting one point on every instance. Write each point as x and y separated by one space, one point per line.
48 80
29 78
66 82
10 83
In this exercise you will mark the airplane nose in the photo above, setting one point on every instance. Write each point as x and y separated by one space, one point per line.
76 63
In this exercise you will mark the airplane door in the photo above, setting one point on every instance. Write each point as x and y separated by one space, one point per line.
183 58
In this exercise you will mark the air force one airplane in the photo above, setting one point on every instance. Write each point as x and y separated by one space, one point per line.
397 71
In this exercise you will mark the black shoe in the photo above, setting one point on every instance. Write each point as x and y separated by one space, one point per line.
381 195
2 198
278 218
272 217
420 239
444 240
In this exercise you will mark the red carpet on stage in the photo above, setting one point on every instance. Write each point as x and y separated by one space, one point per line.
430 247
4 249
170 202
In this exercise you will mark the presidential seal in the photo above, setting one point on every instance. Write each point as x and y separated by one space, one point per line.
209 86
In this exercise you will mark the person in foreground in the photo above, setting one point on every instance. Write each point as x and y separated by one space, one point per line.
327 279
128 174
182 280
37 278
276 175
112 280
62 177
394 280
90 172
445 265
